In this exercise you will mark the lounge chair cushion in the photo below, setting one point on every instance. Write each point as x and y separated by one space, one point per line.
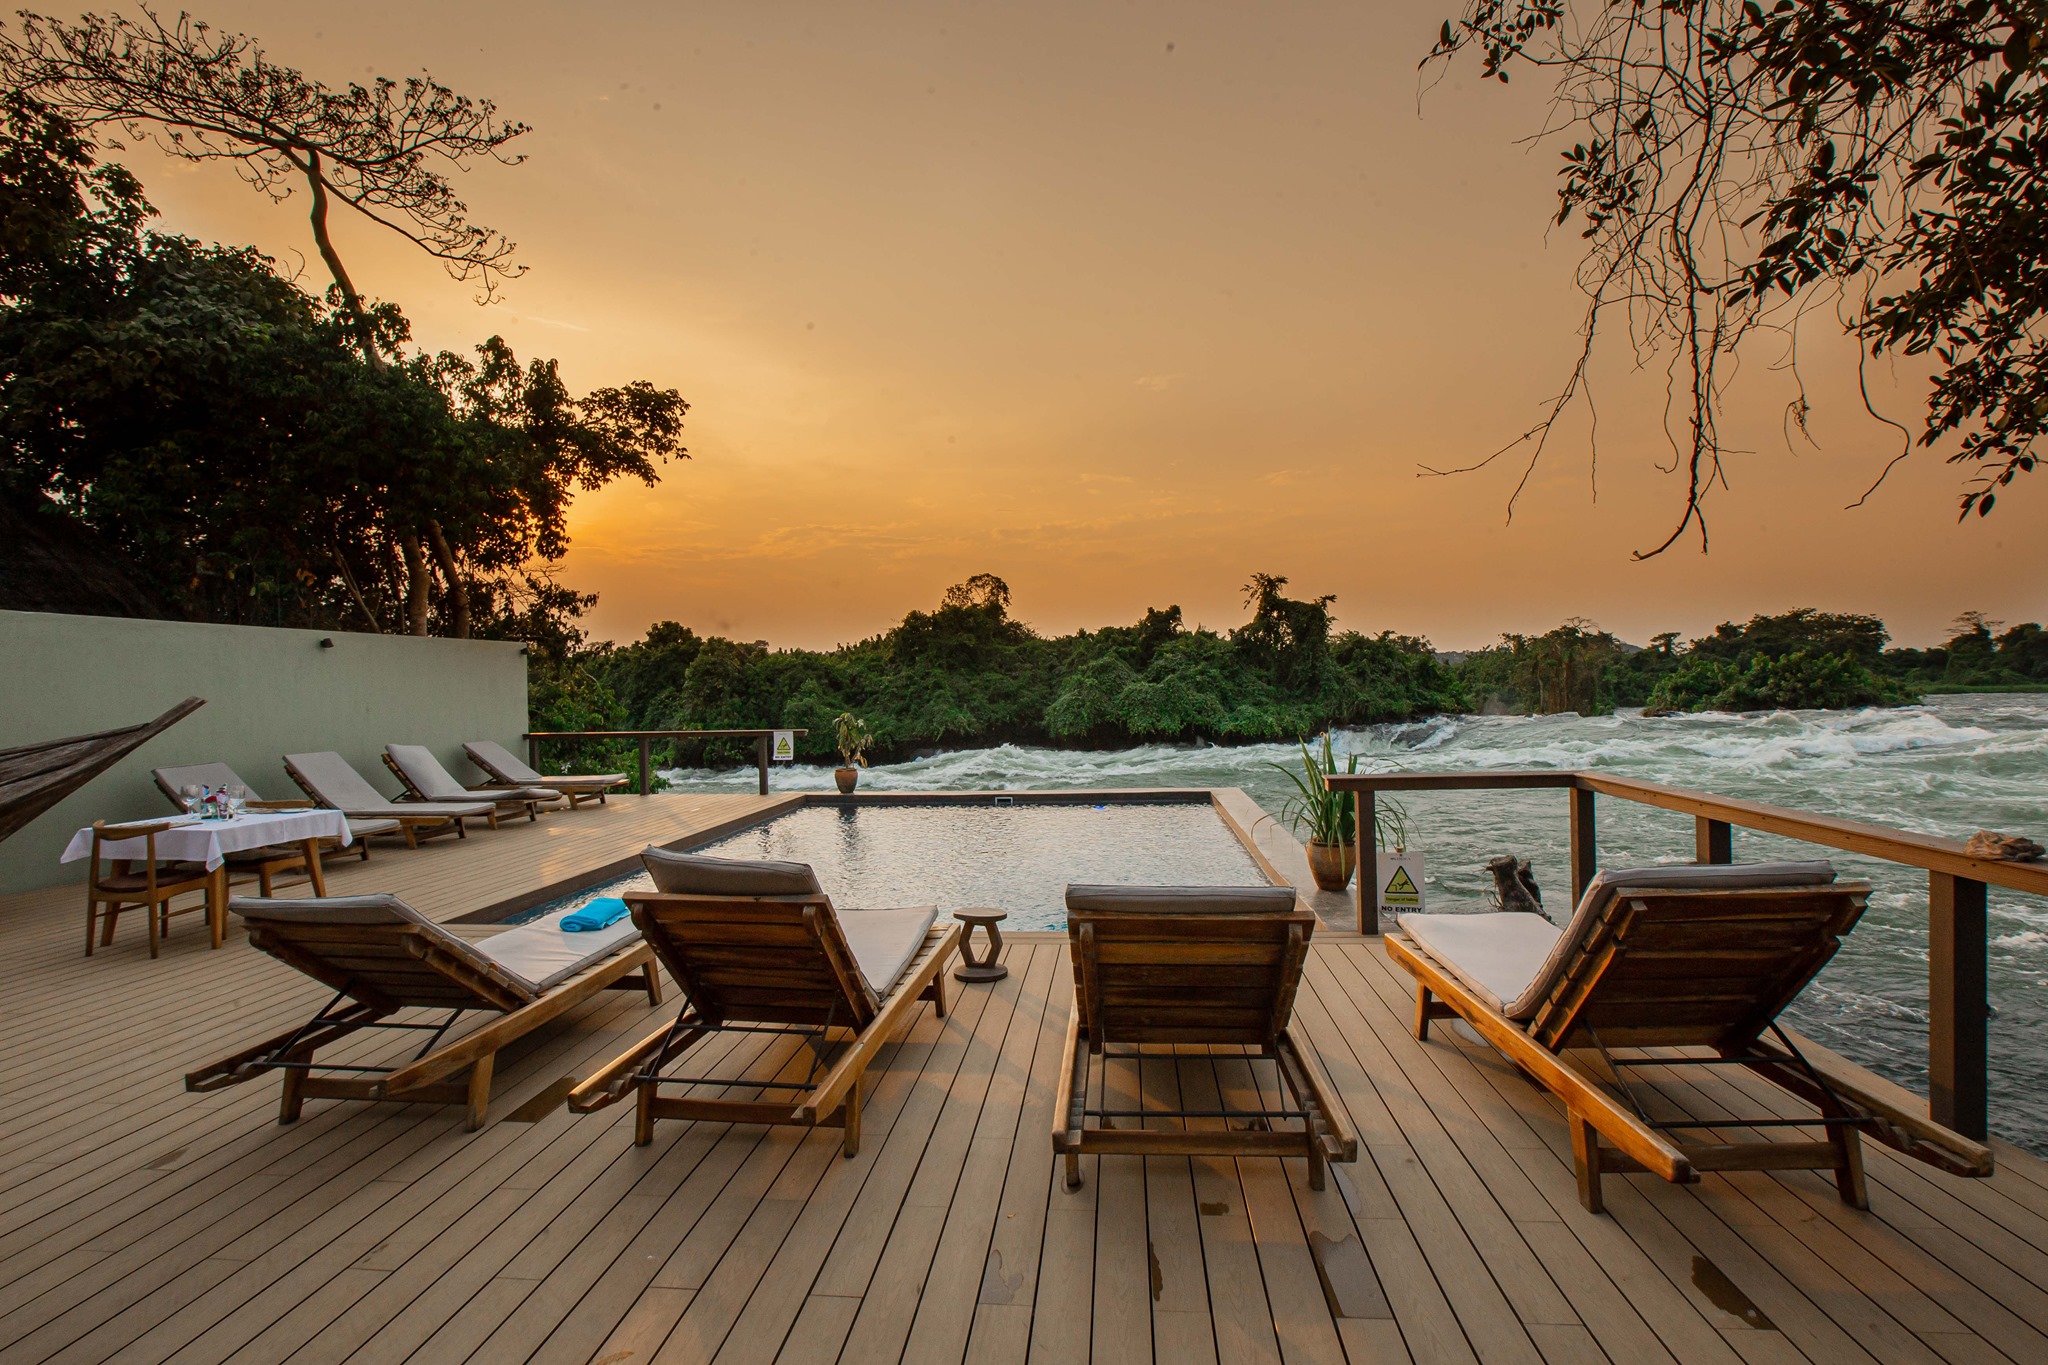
544 954
1495 955
336 783
495 759
370 911
215 775
1182 900
884 941
436 783
697 874
1514 960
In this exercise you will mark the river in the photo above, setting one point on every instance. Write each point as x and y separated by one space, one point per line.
1950 767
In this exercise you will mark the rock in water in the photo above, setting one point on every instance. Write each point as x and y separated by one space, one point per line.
1515 885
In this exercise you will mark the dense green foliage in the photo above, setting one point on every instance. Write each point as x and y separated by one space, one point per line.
967 673
1798 659
220 431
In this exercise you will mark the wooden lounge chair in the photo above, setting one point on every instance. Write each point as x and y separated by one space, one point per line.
758 947
503 766
425 779
331 781
1698 957
1210 965
382 957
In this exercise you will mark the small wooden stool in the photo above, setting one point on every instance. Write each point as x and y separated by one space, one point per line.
985 967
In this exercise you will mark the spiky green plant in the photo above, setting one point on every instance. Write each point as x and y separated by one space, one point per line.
1331 817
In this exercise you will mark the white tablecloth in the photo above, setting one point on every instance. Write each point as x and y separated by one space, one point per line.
210 841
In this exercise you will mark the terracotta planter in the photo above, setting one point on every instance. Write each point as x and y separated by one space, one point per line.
847 778
1332 864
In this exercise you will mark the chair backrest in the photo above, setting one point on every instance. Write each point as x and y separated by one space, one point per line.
332 781
145 830
416 766
751 941
1678 966
500 762
214 775
380 951
1186 964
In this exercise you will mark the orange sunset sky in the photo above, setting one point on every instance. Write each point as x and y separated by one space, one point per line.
1121 302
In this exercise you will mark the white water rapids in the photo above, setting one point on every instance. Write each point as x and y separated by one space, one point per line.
1953 766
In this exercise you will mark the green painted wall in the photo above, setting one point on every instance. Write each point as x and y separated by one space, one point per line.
268 693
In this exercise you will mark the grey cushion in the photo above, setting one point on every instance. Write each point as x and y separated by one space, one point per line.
378 909
362 829
1513 960
1495 955
884 941
495 759
545 955
697 874
335 782
1182 900
436 783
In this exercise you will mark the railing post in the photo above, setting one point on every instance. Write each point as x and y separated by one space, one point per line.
1368 863
533 752
1585 850
761 760
1713 841
1958 1006
646 783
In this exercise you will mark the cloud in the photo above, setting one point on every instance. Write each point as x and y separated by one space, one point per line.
1158 383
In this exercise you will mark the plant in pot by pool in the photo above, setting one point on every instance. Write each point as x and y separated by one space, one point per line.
1328 820
852 735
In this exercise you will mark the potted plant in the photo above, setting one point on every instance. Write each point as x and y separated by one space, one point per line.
852 735
1328 820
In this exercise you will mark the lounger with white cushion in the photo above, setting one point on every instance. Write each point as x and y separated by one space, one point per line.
1192 966
425 779
330 780
506 767
758 946
382 957
1694 957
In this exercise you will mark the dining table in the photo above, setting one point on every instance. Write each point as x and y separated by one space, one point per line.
192 839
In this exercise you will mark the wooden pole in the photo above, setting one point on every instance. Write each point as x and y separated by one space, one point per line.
761 760
646 781
1368 863
1713 841
1585 847
1958 1006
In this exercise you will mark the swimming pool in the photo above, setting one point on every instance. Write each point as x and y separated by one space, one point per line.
1018 857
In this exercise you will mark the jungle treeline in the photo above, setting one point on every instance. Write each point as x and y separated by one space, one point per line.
968 674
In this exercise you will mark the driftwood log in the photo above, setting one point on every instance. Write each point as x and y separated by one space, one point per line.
35 777
1514 885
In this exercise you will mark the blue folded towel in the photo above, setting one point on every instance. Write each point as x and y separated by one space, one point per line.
601 913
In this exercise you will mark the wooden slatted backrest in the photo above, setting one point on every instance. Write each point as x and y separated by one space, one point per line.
390 966
757 959
1696 968
1189 978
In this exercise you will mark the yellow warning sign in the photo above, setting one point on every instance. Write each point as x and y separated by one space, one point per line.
1401 889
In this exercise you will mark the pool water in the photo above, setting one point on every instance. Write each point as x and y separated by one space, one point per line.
1017 858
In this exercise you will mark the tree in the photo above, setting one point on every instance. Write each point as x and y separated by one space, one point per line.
216 426
205 95
1738 162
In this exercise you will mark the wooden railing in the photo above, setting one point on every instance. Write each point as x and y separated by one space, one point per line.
1957 998
647 738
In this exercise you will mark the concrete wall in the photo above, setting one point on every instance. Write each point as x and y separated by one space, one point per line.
268 693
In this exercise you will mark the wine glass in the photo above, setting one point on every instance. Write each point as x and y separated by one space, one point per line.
188 796
238 798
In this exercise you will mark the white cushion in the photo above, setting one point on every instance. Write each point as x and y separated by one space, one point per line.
884 941
1495 955
545 954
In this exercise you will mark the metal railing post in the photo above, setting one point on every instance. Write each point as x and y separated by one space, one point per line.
1958 1006
761 760
1713 841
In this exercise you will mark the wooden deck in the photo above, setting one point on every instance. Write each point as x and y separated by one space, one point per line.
141 1223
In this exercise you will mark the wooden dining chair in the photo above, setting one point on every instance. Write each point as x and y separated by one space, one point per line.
151 887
